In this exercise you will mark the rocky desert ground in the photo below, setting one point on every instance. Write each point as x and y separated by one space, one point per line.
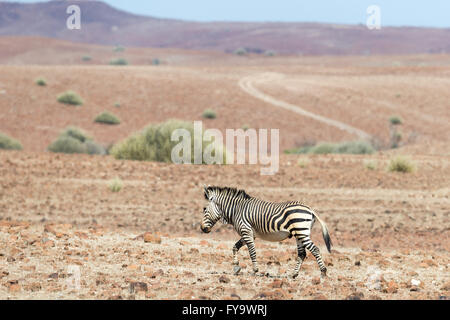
65 235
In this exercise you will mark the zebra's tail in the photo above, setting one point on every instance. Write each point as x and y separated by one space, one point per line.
325 234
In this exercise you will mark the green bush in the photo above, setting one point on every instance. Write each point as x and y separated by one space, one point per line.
240 51
9 143
156 62
154 143
118 49
209 114
270 53
41 82
115 185
67 145
70 97
117 105
76 133
324 148
395 120
370 164
303 162
75 140
355 147
107 118
118 62
351 147
93 147
86 58
401 164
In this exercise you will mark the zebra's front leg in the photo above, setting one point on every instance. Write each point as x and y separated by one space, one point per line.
301 257
237 246
249 241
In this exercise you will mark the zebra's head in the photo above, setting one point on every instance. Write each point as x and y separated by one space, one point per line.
212 212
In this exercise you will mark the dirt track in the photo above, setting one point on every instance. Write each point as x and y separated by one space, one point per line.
388 229
247 85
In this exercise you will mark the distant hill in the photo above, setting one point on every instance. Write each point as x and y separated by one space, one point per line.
105 25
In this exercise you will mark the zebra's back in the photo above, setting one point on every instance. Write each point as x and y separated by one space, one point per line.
278 221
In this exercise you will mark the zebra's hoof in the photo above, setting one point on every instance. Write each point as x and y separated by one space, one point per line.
294 275
323 274
236 269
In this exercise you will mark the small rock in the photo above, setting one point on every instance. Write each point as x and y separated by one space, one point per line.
138 287
152 238
53 276
186 295
277 283
357 263
14 288
446 286
133 267
429 263
204 243
415 282
392 287
316 280
355 296
224 279
48 243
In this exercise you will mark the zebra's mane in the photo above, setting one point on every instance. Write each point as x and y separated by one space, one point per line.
232 192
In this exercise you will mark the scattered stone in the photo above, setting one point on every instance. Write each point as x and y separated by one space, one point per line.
152 238
59 230
446 286
14 288
392 287
415 282
224 279
355 296
357 263
53 276
429 263
133 267
204 243
33 287
277 283
186 294
234 296
138 287
316 281
277 294
48 243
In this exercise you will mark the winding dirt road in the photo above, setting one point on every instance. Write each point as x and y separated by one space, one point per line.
247 84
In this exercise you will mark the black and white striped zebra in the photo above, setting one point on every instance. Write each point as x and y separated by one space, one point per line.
252 217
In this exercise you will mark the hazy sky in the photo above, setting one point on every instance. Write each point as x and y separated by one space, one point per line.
434 13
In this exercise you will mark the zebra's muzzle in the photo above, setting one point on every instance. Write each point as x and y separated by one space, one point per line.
205 229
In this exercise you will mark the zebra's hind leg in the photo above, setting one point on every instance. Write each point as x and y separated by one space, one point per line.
249 241
301 256
316 253
237 246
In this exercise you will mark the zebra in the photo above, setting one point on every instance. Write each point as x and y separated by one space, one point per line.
252 217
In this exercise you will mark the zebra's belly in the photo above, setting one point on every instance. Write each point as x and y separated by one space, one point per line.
274 236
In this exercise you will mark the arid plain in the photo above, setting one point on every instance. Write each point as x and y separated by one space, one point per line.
390 230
